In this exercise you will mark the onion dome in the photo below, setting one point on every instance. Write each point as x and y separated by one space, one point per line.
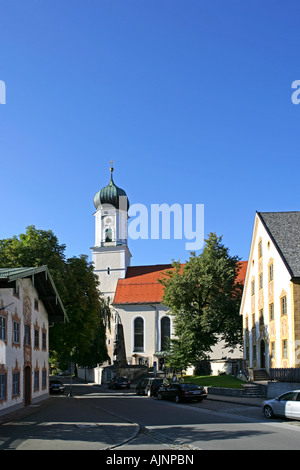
111 195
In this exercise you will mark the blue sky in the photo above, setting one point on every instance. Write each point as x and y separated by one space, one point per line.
191 99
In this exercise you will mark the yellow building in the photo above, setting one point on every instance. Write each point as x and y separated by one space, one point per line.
271 299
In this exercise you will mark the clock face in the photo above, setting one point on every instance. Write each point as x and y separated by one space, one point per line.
108 221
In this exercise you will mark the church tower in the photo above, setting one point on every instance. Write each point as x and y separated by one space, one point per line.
111 255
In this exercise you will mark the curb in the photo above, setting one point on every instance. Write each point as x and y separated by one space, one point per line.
134 434
130 438
242 401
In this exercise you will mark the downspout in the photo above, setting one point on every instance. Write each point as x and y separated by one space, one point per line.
156 329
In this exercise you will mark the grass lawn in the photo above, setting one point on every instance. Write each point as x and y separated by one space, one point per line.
226 381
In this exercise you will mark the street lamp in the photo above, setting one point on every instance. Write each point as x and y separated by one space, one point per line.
4 308
71 368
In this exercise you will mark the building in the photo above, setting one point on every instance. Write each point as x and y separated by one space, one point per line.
271 298
146 323
141 325
29 304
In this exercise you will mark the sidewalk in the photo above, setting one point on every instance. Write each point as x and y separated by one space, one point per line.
104 431
258 401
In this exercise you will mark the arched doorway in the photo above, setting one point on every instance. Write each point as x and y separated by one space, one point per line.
27 385
262 354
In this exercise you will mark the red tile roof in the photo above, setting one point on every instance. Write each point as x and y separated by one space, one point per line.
141 284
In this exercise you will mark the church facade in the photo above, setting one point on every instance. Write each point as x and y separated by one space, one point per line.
134 293
141 325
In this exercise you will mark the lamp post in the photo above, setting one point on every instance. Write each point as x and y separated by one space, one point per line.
71 369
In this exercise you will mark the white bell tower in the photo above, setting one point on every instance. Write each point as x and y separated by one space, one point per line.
110 255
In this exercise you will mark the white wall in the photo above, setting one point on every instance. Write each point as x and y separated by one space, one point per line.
12 355
281 283
152 315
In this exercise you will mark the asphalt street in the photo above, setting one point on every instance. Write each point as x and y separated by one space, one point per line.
97 418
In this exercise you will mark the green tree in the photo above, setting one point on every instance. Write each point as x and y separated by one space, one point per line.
32 249
203 296
77 285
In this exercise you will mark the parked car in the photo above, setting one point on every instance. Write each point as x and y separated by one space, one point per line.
119 382
55 386
181 392
286 405
64 373
149 386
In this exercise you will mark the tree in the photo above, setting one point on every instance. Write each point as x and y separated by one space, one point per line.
204 298
84 336
32 249
77 285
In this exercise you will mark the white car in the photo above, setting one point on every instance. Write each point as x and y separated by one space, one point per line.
286 405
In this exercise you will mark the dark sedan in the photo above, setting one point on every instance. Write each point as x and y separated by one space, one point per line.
182 392
55 386
149 387
119 382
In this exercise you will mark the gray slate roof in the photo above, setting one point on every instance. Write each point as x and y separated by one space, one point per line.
284 230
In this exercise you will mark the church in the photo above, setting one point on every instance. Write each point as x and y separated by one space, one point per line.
140 326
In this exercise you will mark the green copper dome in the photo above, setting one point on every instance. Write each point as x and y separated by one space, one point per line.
110 195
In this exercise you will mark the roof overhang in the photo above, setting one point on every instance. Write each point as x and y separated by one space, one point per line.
43 283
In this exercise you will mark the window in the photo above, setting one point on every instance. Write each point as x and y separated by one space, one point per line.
260 251
36 304
271 272
273 350
261 317
283 305
284 349
254 352
290 396
36 380
252 287
36 338
271 312
165 325
3 328
138 334
2 386
27 335
108 235
261 280
16 332
16 290
44 340
44 379
16 384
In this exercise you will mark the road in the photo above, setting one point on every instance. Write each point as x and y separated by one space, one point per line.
97 418
206 426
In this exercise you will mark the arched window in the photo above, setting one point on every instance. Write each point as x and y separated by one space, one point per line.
138 327
108 235
165 328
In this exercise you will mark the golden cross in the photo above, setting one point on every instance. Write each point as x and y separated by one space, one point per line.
111 165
